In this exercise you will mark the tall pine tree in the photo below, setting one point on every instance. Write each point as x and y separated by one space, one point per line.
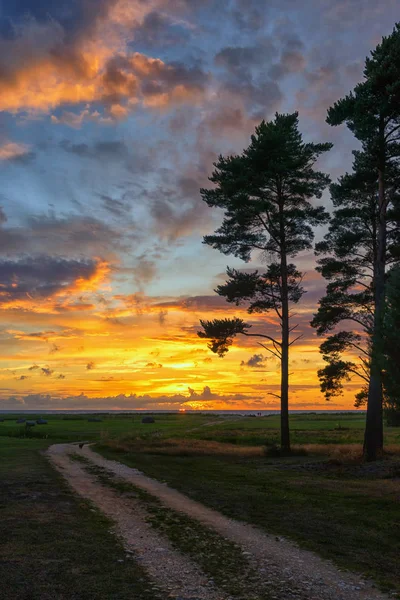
350 249
265 194
372 113
392 348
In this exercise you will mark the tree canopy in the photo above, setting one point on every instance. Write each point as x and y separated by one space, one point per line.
266 194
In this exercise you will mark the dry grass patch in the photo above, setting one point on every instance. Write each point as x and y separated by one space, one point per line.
182 447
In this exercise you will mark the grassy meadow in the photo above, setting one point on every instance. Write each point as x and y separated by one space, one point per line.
322 496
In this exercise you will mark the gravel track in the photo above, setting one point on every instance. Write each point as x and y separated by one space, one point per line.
289 571
173 573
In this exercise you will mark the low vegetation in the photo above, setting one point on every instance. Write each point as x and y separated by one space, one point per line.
323 496
54 545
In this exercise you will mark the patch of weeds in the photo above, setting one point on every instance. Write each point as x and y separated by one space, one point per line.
223 561
78 458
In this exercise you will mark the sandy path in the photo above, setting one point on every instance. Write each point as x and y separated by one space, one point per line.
175 574
291 572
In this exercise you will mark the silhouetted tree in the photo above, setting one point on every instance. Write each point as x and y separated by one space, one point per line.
372 113
392 348
350 249
265 195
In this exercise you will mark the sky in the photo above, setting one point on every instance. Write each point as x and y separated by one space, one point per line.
112 113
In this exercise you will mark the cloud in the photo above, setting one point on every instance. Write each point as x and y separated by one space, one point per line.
54 349
205 398
196 303
114 150
255 361
162 317
47 371
238 59
161 30
74 235
27 281
43 66
13 150
90 366
144 271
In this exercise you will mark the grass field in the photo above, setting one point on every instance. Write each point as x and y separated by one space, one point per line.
54 545
307 429
322 497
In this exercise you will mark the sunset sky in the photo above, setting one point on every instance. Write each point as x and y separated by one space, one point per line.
111 115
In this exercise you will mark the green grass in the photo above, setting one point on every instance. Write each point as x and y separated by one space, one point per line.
350 519
70 428
53 544
305 429
346 513
346 428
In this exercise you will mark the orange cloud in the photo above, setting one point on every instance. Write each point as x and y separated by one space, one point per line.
54 286
48 70
10 150
91 283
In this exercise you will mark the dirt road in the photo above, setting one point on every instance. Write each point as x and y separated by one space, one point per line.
288 572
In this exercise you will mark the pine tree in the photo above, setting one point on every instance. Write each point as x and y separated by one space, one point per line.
265 195
392 348
372 113
350 249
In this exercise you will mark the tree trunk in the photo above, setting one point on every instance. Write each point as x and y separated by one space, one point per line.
285 434
373 438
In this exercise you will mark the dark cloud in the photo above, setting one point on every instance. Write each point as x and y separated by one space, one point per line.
75 235
124 402
41 277
54 349
238 59
173 220
255 361
292 58
115 207
245 78
75 16
159 30
249 15
162 317
193 303
114 150
90 366
47 372
144 271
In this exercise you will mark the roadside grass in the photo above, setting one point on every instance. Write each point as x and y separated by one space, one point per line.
53 544
326 500
345 512
221 560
